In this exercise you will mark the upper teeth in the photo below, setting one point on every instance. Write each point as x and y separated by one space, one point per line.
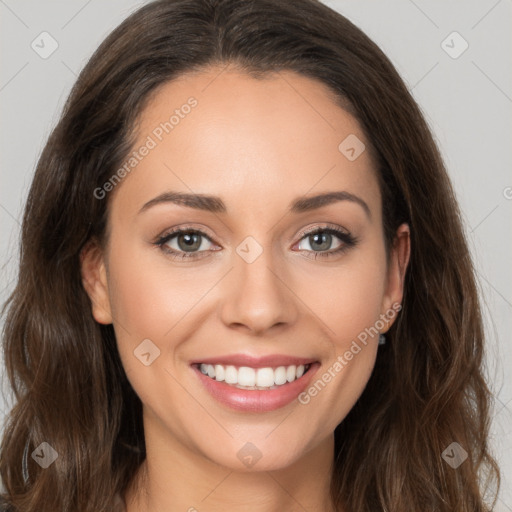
254 377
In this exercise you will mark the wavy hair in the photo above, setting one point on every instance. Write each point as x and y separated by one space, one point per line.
428 387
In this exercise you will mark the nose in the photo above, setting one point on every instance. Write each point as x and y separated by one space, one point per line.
258 296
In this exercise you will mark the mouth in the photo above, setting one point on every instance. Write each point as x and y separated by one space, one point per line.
254 379
252 385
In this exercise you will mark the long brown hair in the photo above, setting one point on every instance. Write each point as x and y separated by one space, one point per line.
427 389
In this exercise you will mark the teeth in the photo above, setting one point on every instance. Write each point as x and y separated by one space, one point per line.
254 378
291 373
247 376
219 372
264 377
231 375
280 376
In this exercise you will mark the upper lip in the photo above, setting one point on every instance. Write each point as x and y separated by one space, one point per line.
271 360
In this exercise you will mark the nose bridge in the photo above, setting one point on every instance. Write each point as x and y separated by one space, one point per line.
257 296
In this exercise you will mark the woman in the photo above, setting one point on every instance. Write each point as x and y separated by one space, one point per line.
244 283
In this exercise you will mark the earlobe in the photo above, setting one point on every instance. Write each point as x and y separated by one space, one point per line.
398 262
94 280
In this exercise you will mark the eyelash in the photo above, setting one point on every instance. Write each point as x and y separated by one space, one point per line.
347 240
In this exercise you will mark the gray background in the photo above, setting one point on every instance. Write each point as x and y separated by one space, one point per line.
467 101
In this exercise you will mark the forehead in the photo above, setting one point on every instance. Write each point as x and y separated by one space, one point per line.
283 134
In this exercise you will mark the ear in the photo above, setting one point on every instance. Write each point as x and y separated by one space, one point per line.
94 280
398 261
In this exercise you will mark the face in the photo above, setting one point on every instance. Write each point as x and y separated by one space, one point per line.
263 284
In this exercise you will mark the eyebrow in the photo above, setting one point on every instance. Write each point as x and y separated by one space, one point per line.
215 204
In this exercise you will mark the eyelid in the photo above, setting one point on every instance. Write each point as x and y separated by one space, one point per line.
322 226
183 228
203 231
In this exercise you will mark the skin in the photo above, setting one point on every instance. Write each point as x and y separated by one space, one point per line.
258 145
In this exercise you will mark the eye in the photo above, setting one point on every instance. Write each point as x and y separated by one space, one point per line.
184 243
321 240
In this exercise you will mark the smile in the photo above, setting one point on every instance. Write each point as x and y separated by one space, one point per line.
255 385
248 378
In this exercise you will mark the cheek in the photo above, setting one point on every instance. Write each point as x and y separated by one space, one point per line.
148 295
347 298
144 307
349 304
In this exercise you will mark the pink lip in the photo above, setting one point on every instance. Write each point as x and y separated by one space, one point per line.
256 400
273 360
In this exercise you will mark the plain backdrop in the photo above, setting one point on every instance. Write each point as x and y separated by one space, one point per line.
465 94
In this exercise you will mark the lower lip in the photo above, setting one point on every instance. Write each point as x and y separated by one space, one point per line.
252 400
